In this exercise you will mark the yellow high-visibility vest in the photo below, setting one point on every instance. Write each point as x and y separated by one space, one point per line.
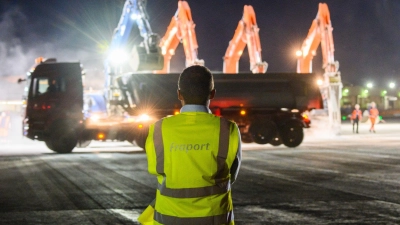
191 154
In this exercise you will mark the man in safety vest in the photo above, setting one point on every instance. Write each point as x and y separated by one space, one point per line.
196 157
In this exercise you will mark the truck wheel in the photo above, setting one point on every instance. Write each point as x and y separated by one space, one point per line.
276 141
83 143
263 132
246 138
292 135
49 144
130 138
141 140
63 140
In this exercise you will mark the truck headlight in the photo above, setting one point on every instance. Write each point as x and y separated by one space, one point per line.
95 118
143 118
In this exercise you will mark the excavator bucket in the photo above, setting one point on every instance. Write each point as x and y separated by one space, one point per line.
146 61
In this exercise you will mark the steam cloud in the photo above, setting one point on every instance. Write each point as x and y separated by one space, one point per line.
20 44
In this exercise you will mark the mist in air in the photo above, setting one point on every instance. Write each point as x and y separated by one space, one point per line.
22 40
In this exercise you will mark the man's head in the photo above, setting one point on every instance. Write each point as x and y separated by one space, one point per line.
196 85
357 106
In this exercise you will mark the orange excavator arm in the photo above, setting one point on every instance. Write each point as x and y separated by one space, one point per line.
320 32
331 87
246 34
180 30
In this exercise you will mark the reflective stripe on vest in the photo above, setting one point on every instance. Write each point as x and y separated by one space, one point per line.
219 219
194 192
159 147
220 188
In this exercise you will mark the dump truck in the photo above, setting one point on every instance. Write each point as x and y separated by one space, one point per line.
268 108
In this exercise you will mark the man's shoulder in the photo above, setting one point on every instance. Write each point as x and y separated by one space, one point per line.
227 120
210 115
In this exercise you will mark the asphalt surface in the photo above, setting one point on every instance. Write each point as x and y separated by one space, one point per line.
329 179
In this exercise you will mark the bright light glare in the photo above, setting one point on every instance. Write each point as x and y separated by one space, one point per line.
392 85
144 117
299 53
319 82
135 16
95 118
370 85
118 57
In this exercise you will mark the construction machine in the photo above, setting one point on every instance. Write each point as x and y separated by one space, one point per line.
180 30
246 34
320 32
143 57
58 111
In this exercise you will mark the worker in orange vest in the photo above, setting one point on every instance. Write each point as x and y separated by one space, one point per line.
373 114
356 116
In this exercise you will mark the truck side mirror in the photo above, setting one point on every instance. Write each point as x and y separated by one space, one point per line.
21 80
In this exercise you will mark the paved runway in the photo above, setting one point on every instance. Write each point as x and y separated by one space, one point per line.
345 179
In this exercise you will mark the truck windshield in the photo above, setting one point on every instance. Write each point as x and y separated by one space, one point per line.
43 85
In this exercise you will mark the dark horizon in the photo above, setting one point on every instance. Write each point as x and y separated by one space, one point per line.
365 34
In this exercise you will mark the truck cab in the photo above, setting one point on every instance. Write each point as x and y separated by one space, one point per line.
54 105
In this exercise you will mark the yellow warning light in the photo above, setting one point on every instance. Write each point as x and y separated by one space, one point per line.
242 112
140 126
100 136
38 60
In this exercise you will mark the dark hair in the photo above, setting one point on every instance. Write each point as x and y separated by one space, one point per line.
195 84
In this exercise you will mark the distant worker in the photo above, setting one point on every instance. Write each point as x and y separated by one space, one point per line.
356 116
196 157
373 115
52 86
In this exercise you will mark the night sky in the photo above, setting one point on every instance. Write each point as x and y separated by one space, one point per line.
366 33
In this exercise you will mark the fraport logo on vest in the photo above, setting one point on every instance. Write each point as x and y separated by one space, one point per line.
189 147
